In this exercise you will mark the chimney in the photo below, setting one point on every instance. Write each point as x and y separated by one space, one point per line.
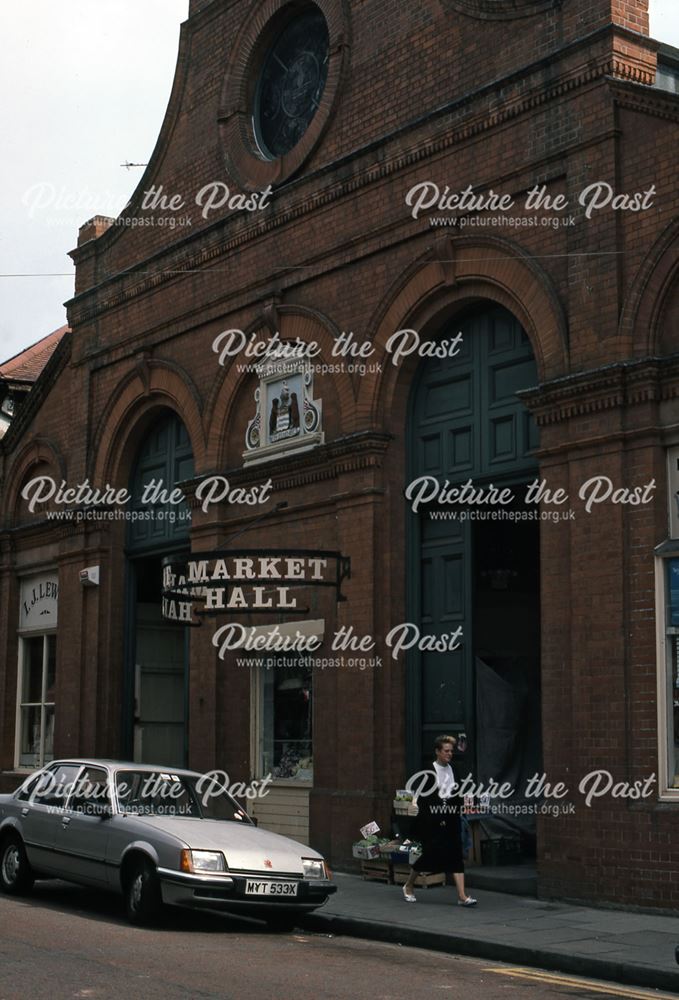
93 228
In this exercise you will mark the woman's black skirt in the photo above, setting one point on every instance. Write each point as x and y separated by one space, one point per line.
440 833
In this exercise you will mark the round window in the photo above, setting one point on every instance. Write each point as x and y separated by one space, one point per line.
291 83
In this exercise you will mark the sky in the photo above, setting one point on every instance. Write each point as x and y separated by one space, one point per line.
85 86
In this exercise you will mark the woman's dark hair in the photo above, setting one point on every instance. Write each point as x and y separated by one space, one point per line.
441 740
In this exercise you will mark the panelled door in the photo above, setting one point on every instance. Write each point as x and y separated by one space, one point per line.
159 725
466 422
156 702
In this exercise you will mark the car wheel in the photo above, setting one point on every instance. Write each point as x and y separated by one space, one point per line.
142 894
281 923
16 876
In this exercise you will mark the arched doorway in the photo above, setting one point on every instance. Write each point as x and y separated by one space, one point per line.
477 574
155 723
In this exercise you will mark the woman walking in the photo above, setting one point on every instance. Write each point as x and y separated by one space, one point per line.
438 826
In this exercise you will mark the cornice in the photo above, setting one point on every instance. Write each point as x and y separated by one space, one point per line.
222 241
353 453
648 101
504 10
43 532
628 383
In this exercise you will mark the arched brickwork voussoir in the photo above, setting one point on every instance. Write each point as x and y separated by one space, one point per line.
149 388
645 328
452 274
292 322
39 451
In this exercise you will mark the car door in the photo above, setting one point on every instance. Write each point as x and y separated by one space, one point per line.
41 814
83 832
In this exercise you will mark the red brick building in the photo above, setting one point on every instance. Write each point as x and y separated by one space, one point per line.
19 374
347 134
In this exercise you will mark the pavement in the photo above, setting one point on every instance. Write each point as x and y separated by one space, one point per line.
614 945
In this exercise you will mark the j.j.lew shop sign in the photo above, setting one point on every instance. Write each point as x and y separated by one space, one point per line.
248 581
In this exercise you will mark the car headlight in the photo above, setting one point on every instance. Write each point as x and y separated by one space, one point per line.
200 862
313 868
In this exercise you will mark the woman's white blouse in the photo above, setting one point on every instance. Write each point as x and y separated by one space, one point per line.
445 779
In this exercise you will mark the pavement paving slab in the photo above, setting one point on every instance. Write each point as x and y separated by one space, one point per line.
631 948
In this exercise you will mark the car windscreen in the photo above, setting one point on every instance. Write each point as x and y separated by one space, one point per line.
166 793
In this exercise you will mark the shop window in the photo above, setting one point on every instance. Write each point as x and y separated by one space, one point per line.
37 674
669 690
286 719
667 624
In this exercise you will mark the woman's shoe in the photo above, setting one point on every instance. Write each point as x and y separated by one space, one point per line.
469 901
408 896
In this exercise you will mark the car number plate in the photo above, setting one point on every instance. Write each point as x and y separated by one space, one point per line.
255 888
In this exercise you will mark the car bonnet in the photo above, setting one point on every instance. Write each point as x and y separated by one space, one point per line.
245 847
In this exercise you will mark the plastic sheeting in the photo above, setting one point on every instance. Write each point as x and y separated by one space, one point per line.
508 738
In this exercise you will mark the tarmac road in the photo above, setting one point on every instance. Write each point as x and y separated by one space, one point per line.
68 942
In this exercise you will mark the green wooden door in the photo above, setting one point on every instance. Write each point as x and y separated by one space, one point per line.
155 721
465 423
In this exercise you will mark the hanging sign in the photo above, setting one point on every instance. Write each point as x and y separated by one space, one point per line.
248 581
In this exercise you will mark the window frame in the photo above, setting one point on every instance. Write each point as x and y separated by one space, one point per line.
23 636
663 553
288 18
257 674
241 153
56 801
72 802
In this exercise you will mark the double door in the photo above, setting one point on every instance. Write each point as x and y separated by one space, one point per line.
466 423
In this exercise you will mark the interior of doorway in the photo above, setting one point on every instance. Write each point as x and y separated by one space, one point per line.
506 636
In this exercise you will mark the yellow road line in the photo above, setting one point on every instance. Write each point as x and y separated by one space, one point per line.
612 990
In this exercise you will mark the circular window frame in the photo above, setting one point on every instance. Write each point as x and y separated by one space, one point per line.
502 10
278 28
245 160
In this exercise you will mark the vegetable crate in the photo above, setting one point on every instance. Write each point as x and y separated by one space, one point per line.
400 877
402 807
376 871
366 852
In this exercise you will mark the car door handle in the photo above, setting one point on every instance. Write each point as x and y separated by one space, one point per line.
25 811
66 820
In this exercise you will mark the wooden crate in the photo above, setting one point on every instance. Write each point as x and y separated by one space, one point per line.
376 871
400 875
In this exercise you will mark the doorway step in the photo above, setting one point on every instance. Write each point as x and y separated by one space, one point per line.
517 880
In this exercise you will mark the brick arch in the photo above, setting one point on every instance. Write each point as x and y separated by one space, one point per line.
643 313
150 387
38 451
292 322
452 274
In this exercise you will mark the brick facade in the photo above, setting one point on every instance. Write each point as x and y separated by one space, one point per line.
499 95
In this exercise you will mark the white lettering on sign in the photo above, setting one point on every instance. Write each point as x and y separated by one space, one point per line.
38 602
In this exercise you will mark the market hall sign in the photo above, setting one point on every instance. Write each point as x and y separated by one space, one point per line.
248 581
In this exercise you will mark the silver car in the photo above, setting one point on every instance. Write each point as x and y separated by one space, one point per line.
157 836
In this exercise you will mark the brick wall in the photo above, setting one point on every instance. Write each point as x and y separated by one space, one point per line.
339 250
